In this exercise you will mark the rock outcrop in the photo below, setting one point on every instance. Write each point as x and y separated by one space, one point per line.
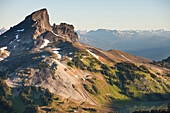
30 33
41 18
66 31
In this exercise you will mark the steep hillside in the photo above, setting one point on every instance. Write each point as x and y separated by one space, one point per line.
163 63
45 68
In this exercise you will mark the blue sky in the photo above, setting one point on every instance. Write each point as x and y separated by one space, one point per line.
92 14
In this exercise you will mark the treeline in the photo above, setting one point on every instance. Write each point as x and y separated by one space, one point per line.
31 108
161 64
46 96
5 104
153 111
3 75
79 64
27 96
91 89
121 75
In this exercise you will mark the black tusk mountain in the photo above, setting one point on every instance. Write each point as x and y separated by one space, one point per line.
44 67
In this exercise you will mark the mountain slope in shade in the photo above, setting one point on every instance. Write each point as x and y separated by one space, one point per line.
46 68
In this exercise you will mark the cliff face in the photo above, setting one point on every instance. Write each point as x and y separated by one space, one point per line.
67 31
42 19
29 35
33 53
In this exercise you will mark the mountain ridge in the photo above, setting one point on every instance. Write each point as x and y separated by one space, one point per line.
131 41
47 66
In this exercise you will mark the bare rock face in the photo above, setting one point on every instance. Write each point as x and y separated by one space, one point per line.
26 35
42 19
67 31
30 33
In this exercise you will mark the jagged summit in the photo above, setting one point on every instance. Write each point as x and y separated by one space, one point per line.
37 56
67 31
31 32
42 17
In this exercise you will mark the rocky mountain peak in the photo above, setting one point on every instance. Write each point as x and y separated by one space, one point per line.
67 31
41 17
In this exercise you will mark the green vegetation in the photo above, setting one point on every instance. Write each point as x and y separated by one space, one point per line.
88 88
5 103
129 78
31 108
90 109
162 64
53 72
29 98
95 89
43 64
153 111
85 63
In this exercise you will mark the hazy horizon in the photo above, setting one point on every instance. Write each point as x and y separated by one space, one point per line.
94 14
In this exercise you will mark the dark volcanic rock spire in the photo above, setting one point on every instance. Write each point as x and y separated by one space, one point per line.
29 35
41 17
67 31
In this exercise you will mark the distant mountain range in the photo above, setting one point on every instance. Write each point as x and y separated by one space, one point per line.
2 30
45 68
152 44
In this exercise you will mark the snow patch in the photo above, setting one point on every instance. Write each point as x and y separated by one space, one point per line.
70 53
92 54
20 30
18 40
125 58
73 70
59 63
17 36
7 54
3 48
1 59
45 43
83 79
56 51
58 35
43 56
70 58
55 34
76 76
5 36
11 42
59 56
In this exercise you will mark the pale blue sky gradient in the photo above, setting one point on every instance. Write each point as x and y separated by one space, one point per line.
92 14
